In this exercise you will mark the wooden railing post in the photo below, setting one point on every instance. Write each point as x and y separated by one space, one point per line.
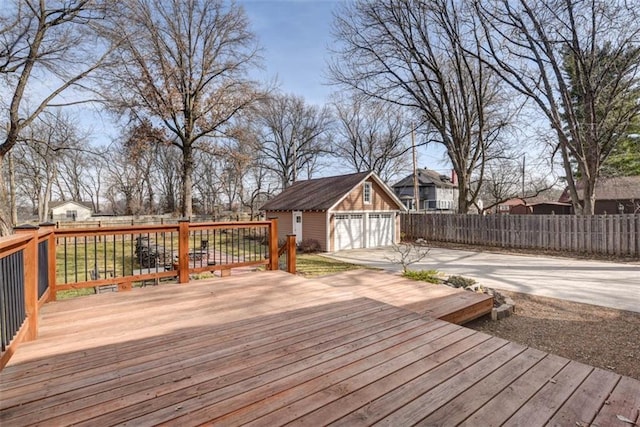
50 228
30 280
183 251
291 253
273 244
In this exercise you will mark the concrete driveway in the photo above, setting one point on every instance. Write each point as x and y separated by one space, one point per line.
608 284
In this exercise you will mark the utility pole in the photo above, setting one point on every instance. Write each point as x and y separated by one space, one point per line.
523 162
416 188
295 161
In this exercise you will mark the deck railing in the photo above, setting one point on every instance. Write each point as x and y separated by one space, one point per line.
38 262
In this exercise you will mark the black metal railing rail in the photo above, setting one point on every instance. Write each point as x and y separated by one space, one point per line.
12 307
217 247
101 256
124 256
43 267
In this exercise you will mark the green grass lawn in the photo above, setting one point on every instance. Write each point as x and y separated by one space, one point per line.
313 265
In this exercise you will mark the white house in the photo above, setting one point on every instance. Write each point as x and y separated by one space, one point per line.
70 211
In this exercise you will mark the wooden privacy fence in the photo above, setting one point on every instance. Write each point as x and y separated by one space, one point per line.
594 234
37 262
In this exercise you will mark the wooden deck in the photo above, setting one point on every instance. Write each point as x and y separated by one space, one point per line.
438 302
271 348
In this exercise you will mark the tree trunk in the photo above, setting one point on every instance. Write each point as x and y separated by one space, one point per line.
463 191
45 202
187 181
6 224
589 196
463 206
571 184
12 190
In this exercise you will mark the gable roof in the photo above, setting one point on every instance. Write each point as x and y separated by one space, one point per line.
86 205
321 194
427 177
613 188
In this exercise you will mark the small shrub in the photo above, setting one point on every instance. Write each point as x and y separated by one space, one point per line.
429 276
203 275
460 282
407 254
309 246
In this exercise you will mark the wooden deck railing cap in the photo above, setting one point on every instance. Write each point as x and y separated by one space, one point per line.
26 227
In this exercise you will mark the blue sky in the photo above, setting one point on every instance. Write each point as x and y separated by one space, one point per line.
295 36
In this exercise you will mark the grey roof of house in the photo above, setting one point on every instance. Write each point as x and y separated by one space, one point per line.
427 177
315 194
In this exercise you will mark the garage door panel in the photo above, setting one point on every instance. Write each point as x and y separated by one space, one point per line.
380 231
348 232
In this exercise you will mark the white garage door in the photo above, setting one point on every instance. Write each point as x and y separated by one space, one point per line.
380 230
348 231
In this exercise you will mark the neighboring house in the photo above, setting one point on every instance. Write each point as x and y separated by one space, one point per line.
508 206
535 206
437 193
614 195
70 211
339 212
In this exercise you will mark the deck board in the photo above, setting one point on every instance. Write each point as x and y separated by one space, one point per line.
270 348
436 301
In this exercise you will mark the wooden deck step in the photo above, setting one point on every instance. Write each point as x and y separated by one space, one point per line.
437 301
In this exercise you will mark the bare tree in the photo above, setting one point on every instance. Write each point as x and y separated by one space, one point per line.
183 66
416 54
92 179
43 145
291 136
371 135
579 62
507 179
127 171
258 187
168 183
208 186
41 40
233 166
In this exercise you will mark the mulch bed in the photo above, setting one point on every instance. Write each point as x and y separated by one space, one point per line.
598 336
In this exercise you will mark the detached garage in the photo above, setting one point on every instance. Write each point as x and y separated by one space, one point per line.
339 212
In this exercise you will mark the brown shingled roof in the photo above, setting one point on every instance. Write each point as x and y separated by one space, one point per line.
614 188
322 194
318 194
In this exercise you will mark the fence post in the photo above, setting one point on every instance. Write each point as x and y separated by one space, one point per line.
273 244
291 253
50 228
183 251
30 280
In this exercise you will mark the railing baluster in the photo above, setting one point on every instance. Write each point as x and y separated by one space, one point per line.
66 261
75 257
4 321
104 251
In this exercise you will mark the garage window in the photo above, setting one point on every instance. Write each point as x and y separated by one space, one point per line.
367 192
